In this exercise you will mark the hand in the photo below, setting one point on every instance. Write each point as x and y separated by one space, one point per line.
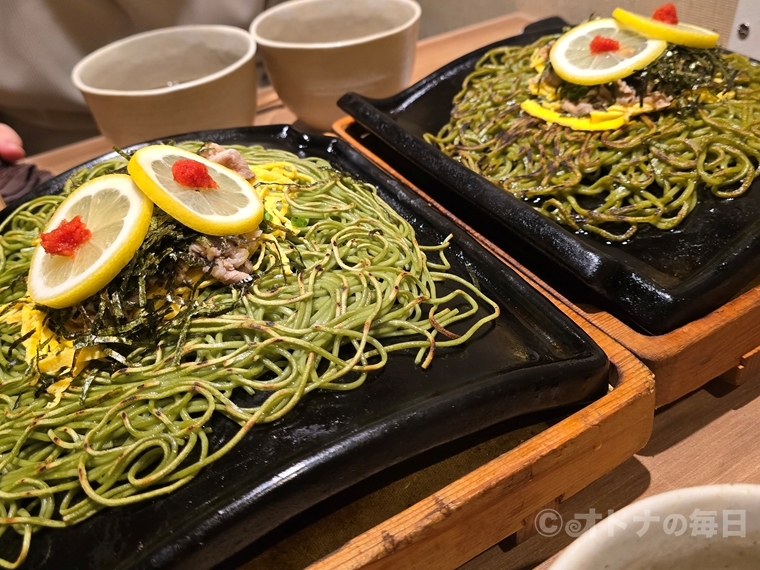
11 146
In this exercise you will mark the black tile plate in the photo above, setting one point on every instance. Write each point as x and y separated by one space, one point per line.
656 283
533 358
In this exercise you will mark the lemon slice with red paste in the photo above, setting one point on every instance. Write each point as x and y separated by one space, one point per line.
602 51
92 235
664 25
201 194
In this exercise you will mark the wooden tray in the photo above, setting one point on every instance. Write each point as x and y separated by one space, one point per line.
724 343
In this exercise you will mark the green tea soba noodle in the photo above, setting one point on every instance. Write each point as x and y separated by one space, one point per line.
339 283
608 182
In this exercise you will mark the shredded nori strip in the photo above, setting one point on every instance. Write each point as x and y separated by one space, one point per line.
683 72
122 315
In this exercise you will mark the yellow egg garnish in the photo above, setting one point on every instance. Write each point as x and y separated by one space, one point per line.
51 353
589 123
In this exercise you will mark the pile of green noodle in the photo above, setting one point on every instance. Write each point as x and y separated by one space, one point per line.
646 172
362 289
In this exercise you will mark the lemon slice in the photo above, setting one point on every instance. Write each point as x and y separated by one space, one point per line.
116 214
230 207
572 59
681 34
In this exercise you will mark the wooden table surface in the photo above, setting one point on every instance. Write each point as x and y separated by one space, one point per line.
704 438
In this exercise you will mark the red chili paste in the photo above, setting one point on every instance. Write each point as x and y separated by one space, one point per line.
193 174
666 14
67 238
600 44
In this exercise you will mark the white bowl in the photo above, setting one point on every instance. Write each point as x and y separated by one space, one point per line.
170 81
317 50
698 528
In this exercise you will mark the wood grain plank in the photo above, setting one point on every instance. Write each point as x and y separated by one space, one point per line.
749 367
61 159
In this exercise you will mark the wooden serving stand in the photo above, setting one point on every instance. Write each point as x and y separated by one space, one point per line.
474 509
724 343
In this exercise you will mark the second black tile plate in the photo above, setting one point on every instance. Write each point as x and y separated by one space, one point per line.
656 283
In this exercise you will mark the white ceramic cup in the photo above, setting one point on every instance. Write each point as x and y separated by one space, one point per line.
170 81
317 50
697 528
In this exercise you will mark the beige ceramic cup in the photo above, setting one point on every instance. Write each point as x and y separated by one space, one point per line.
317 50
697 528
170 81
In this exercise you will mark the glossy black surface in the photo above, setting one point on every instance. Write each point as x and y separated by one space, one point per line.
658 281
532 359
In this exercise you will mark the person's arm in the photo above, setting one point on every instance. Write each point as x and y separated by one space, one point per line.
11 146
